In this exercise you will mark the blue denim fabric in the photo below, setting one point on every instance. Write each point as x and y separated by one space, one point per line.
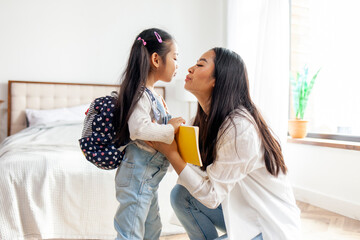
258 237
224 237
137 181
160 114
199 221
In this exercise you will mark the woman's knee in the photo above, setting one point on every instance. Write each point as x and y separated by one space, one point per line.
178 196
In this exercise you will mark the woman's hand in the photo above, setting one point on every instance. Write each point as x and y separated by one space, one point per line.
171 153
166 149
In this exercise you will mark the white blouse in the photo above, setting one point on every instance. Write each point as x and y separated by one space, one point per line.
253 200
142 128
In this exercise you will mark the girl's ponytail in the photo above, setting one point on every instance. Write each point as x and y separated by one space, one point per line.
135 75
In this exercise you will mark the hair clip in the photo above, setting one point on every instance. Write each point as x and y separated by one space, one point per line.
139 38
158 37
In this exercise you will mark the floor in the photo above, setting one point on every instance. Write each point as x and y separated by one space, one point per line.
317 224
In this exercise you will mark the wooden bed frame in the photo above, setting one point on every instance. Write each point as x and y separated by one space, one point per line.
49 95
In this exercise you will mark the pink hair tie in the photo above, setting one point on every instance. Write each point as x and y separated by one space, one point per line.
158 37
139 38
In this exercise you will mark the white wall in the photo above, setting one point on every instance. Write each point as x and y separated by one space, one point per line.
325 177
89 41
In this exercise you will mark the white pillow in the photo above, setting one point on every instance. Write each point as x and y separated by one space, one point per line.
74 114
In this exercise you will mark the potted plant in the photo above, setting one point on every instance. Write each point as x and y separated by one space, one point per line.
301 89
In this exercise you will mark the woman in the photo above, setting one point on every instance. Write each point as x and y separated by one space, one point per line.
244 191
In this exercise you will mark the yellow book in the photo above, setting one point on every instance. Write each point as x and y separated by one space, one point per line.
187 139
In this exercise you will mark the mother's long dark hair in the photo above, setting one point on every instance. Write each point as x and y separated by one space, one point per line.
231 91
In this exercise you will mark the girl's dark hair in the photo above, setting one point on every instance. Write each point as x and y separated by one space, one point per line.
231 92
134 77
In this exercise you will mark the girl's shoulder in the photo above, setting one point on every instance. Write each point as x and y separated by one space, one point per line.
154 97
144 99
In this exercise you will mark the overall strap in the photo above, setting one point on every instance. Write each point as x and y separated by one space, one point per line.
158 108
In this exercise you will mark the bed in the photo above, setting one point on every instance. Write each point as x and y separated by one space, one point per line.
48 189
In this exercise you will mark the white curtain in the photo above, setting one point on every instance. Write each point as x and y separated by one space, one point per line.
258 30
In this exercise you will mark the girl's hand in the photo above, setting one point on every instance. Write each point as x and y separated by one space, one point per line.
176 123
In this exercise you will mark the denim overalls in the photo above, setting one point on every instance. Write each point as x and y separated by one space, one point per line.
137 180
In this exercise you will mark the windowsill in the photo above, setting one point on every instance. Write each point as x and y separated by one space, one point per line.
326 143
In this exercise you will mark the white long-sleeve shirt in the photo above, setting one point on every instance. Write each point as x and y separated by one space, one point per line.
253 200
142 128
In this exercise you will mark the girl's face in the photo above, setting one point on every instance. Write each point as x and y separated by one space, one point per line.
168 70
200 81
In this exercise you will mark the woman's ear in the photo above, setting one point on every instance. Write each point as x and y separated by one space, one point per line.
213 82
155 60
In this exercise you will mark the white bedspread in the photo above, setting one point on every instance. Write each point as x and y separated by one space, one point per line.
49 190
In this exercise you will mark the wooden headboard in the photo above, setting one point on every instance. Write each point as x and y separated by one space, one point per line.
50 95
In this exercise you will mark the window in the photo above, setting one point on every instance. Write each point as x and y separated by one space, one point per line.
326 34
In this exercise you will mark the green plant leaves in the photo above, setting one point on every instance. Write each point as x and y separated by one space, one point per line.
301 89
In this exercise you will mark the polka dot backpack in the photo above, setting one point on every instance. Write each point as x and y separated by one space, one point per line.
98 135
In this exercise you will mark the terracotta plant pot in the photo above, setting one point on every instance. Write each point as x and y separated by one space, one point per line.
297 128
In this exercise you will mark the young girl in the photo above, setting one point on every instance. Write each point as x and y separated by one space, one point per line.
142 116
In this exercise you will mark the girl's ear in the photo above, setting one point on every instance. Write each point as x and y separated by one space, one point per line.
155 60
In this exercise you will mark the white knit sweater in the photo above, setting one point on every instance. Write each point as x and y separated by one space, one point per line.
142 128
